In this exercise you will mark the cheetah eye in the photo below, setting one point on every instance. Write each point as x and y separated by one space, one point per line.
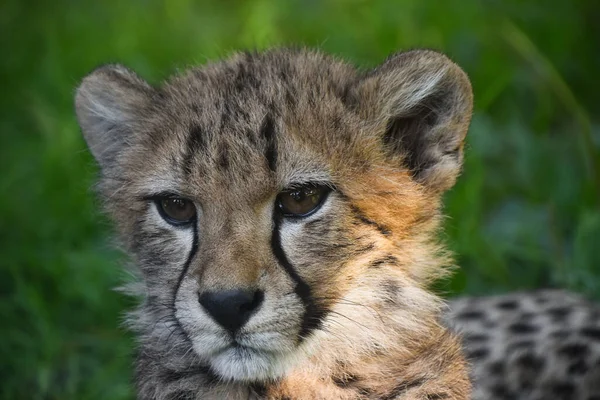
176 210
302 201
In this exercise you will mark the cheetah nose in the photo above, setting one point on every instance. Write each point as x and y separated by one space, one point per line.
231 308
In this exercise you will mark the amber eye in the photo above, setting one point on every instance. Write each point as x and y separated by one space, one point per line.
302 201
176 210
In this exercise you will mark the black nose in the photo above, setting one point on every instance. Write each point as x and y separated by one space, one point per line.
231 308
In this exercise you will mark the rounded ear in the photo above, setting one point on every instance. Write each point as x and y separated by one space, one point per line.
109 103
422 103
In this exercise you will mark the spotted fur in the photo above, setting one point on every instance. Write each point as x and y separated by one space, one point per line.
346 311
531 346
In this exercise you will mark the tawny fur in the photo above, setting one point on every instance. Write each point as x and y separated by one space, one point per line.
230 136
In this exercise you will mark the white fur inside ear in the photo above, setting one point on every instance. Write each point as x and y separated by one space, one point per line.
101 121
102 107
414 93
108 104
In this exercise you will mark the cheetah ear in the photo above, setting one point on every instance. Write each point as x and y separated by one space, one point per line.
422 102
109 104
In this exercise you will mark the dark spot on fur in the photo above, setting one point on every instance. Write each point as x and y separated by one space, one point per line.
574 350
471 315
389 259
364 391
521 328
579 367
364 249
478 354
508 305
195 143
530 362
245 78
268 132
437 396
362 218
496 368
500 391
559 314
591 332
258 389
194 107
223 159
345 380
563 390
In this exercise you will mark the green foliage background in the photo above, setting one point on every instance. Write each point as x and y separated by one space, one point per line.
525 213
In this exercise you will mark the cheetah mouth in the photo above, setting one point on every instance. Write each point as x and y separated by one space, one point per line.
242 349
238 362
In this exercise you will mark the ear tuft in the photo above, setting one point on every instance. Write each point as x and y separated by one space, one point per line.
423 103
108 104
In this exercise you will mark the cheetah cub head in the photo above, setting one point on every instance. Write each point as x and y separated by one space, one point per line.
280 206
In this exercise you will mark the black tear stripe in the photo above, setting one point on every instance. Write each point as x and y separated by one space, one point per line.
313 313
186 266
361 217
194 143
267 130
191 256
209 375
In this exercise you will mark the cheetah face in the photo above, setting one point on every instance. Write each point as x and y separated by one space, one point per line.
267 200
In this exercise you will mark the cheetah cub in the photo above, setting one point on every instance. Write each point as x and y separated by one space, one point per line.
282 210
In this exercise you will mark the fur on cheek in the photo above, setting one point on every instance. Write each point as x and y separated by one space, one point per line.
408 217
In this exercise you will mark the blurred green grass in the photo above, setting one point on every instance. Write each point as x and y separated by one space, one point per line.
525 213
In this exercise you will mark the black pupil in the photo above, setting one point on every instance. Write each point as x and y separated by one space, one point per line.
178 209
302 201
300 195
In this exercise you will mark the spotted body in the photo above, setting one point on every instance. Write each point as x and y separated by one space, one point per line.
541 345
282 211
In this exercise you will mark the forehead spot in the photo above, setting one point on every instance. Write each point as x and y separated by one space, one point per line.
223 157
196 142
268 132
